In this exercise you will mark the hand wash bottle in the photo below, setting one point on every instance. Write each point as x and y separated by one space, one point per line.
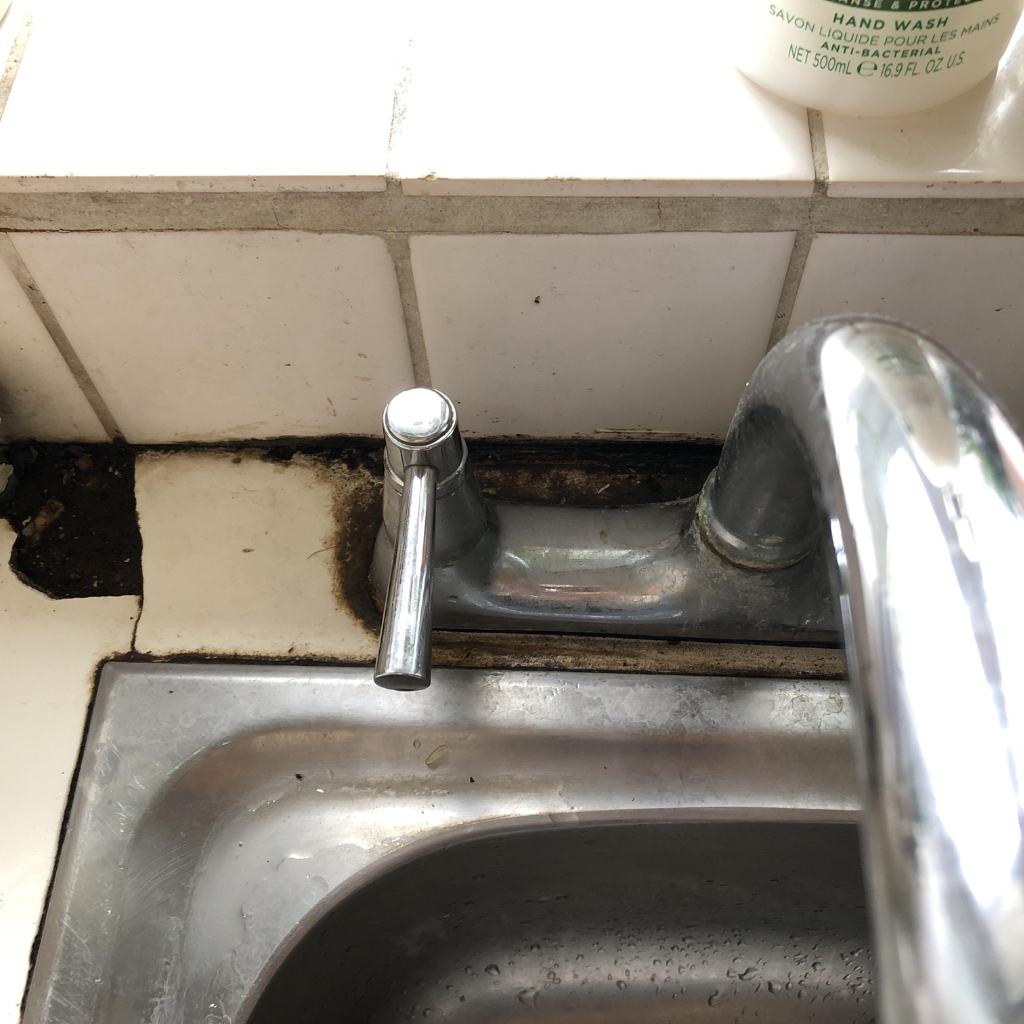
872 57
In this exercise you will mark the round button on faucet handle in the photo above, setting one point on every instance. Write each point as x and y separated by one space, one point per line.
419 417
422 429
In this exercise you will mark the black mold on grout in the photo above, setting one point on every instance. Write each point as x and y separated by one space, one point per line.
78 531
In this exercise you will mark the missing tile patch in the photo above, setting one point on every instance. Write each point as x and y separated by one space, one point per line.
73 508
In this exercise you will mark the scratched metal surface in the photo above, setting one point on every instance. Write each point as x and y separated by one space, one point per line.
225 813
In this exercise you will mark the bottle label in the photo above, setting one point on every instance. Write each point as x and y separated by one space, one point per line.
911 6
883 39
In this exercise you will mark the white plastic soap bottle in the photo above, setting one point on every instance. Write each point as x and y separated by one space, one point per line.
872 57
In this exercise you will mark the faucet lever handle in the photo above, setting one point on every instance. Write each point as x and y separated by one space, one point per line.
422 448
403 659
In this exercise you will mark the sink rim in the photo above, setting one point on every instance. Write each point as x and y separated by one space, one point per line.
457 698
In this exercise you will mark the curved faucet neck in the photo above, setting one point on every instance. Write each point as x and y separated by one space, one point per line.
921 479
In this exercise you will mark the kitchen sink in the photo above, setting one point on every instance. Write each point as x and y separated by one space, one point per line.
637 922
267 843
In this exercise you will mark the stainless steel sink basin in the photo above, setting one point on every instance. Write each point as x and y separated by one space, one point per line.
638 922
277 844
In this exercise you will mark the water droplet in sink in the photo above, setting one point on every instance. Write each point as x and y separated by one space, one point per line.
528 997
621 985
493 970
416 744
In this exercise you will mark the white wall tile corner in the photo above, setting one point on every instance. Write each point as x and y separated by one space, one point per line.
966 292
562 99
597 335
10 26
207 336
237 95
39 397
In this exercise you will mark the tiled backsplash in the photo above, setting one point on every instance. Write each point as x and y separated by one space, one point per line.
967 292
266 227
202 335
611 335
119 94
559 100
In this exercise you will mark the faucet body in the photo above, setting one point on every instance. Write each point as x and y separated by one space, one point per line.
866 470
633 571
640 570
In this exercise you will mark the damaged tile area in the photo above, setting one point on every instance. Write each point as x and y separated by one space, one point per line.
74 510
239 555
49 651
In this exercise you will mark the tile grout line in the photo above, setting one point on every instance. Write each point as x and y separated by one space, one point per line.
398 112
819 154
398 247
791 285
372 213
12 258
133 645
804 234
397 241
10 71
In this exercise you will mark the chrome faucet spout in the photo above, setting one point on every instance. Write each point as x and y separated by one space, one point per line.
875 433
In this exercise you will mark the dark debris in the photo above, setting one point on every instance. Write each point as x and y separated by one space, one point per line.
595 473
74 510
78 536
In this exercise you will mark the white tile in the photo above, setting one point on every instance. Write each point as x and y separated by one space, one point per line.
38 395
208 335
567 99
239 557
599 335
234 94
49 651
11 18
967 293
971 146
